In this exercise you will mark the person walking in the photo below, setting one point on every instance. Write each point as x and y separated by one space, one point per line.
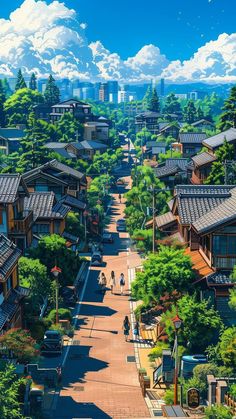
126 327
120 197
122 283
102 281
136 329
112 281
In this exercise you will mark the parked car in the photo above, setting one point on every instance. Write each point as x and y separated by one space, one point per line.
121 225
52 342
96 259
107 237
120 182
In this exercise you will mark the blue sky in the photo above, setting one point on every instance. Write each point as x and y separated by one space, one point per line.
177 27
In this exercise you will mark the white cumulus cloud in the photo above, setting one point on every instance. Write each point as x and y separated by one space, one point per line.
49 38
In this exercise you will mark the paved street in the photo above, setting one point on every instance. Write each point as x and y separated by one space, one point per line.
98 381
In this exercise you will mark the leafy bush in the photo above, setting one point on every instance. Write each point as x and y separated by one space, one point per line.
138 311
63 314
217 412
157 351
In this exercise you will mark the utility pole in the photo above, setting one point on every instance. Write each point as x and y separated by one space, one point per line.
153 221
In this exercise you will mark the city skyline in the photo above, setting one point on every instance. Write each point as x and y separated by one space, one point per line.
71 40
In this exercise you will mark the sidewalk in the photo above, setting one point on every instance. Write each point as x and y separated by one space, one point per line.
99 380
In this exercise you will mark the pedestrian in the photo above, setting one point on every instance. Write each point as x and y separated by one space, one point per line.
136 329
122 283
112 281
120 197
102 281
126 327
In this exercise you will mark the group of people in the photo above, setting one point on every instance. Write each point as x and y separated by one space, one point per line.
126 328
112 282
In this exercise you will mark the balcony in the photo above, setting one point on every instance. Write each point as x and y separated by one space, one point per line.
22 223
224 262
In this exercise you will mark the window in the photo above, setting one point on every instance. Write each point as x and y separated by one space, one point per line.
224 245
41 228
9 283
86 110
1 217
232 245
57 227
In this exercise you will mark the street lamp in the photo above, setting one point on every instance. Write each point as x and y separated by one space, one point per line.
56 271
177 325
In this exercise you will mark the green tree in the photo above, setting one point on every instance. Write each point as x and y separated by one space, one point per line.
33 274
52 92
20 81
68 128
172 104
33 82
228 117
217 173
147 98
218 412
7 90
20 104
32 149
232 299
20 342
2 101
73 225
199 113
52 250
189 112
227 347
154 104
164 272
9 393
201 322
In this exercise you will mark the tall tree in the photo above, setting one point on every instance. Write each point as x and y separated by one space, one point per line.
6 87
2 110
20 104
154 104
9 393
147 97
20 81
228 117
217 175
172 104
199 113
227 347
52 92
33 82
189 112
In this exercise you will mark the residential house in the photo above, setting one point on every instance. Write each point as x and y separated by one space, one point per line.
86 149
172 171
148 120
49 215
213 143
11 294
154 148
167 129
201 167
80 110
191 142
15 222
96 131
10 139
206 222
42 111
60 148
204 124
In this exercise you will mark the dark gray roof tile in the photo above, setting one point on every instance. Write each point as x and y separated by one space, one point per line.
9 255
192 137
218 139
203 158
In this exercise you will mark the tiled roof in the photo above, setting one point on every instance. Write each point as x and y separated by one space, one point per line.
73 202
148 115
165 171
196 200
93 145
9 306
192 137
165 219
182 162
221 214
218 139
9 255
202 121
203 158
9 185
42 205
155 144
76 145
59 167
28 176
219 278
163 125
54 145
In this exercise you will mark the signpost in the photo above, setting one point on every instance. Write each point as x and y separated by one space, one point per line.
193 398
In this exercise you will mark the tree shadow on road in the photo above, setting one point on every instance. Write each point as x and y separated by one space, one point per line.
70 409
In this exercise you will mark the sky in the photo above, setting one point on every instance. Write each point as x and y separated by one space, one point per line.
178 27
125 40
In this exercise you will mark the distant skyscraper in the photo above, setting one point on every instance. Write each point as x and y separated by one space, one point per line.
103 92
162 87
96 91
113 91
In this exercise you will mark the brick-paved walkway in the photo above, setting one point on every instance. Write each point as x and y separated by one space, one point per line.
98 382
